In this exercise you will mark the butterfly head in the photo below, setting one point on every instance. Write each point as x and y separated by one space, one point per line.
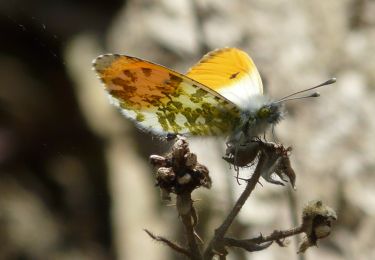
272 113
262 113
258 116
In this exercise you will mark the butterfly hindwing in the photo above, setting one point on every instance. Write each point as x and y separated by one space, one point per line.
231 73
163 101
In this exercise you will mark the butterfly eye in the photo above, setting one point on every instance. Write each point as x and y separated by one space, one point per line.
264 112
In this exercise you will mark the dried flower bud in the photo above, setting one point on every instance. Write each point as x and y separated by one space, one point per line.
179 171
322 231
285 169
277 163
317 220
242 155
158 161
190 160
180 148
165 174
185 179
277 160
204 177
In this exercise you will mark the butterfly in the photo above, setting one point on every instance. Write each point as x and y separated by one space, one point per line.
222 95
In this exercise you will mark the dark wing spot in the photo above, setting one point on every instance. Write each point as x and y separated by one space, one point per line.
121 82
125 84
122 95
131 75
198 95
234 75
174 80
146 71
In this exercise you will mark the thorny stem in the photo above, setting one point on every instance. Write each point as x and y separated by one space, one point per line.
216 242
274 236
169 243
186 212
277 235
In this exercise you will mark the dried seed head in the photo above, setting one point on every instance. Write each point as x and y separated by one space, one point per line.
158 161
322 231
180 148
242 155
277 163
190 160
165 174
179 171
317 220
277 160
185 179
203 174
285 169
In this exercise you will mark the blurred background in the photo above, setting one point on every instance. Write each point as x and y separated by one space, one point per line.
75 182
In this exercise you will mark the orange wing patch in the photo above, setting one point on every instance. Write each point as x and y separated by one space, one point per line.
141 85
230 72
164 101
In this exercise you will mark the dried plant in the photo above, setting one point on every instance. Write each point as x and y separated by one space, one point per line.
180 173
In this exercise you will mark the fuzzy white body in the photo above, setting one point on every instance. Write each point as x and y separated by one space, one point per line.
252 122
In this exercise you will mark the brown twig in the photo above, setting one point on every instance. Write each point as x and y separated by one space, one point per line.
277 235
216 242
185 209
169 243
245 244
261 242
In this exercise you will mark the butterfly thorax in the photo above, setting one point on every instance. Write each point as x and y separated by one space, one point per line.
256 118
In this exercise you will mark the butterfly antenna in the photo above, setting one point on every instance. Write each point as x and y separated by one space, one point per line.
315 94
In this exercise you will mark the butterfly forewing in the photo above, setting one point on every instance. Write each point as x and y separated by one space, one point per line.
163 101
230 72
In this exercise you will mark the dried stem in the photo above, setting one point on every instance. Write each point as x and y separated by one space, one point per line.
180 173
216 244
187 214
169 243
261 242
278 235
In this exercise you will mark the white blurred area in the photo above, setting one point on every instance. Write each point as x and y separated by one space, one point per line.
295 44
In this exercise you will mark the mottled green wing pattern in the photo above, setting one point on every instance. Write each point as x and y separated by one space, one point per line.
163 101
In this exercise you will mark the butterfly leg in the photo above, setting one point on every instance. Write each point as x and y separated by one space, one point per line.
273 133
237 147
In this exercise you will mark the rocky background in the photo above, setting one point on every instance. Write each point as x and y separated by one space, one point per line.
75 182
